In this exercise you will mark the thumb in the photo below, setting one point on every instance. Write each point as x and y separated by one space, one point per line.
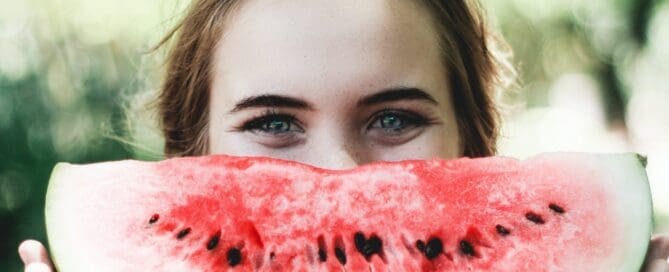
37 267
657 265
33 252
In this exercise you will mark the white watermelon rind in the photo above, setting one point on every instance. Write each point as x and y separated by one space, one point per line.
629 182
635 198
64 191
66 240
62 241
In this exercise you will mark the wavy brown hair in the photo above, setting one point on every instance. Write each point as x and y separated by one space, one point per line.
465 40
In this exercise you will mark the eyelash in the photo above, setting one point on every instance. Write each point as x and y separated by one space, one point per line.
256 122
414 119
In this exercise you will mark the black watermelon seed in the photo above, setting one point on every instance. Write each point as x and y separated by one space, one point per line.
537 219
234 256
374 245
322 255
502 230
556 208
367 247
341 255
154 218
272 255
433 248
183 233
420 245
360 241
213 241
322 252
467 248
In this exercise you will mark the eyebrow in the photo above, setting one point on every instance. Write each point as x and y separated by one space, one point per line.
270 100
396 94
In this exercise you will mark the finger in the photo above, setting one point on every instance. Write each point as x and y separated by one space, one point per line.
658 248
37 267
32 251
659 265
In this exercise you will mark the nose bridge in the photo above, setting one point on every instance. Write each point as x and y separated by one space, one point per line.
337 151
339 157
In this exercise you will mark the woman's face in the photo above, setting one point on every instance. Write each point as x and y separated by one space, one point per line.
334 84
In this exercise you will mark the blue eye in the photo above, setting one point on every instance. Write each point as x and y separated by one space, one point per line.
273 123
391 121
397 121
276 126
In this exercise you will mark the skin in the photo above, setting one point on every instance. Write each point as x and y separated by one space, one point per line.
344 62
334 84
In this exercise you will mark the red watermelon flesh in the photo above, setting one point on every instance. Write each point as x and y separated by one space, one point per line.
554 212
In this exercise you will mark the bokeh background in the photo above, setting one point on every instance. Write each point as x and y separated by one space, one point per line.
593 76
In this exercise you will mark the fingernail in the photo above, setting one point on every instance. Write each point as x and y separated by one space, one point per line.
29 251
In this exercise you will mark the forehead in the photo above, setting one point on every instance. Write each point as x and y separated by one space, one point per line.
298 46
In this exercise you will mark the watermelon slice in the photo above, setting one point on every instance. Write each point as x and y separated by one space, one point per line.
554 212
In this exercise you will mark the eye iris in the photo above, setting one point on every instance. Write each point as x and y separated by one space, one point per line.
277 126
391 122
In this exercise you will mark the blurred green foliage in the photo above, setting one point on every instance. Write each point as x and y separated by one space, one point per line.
66 68
36 132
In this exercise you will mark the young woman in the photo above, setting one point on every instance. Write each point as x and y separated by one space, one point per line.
334 84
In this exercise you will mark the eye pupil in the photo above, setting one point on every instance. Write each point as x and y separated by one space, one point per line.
277 126
391 122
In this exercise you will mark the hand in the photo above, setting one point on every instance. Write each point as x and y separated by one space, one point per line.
34 257
658 253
